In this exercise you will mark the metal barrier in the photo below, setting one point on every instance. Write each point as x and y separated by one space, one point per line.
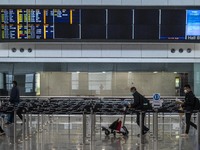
91 106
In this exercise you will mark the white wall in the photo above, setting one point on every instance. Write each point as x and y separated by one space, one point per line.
101 2
99 52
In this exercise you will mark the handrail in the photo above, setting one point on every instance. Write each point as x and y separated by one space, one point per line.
150 97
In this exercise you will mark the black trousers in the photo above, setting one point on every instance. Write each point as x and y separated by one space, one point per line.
145 129
1 130
11 116
188 122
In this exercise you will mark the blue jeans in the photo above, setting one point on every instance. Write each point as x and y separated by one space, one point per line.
10 117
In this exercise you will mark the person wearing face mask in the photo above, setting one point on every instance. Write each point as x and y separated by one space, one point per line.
14 99
188 105
138 104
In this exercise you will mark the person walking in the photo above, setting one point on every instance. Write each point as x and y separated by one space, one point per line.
14 99
138 104
188 106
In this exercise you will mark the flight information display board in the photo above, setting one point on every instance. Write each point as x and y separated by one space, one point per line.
38 23
99 24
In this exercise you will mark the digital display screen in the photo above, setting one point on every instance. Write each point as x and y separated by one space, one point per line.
172 24
146 24
39 23
103 24
120 24
93 24
193 24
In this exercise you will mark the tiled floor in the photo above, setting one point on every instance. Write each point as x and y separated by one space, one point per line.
64 135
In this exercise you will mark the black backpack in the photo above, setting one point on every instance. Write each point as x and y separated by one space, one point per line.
146 104
196 104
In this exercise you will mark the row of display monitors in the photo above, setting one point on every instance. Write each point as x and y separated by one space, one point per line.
100 24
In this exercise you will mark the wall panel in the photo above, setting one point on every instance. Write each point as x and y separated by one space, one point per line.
51 50
181 2
70 2
154 2
131 50
71 50
111 2
23 2
154 50
91 2
48 2
111 50
131 2
197 51
4 2
4 50
91 50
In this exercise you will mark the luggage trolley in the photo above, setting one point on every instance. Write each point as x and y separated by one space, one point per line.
118 125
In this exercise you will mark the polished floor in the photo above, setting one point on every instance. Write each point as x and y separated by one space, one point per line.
65 133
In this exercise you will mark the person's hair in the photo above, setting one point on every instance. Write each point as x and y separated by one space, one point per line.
187 86
15 83
133 88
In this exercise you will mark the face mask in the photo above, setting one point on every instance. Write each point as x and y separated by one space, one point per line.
185 91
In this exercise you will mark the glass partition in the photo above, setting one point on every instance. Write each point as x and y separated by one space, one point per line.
98 79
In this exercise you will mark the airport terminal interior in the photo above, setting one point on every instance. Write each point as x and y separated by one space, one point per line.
74 63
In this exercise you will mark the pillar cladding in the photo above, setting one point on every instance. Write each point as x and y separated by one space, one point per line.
197 79
1 81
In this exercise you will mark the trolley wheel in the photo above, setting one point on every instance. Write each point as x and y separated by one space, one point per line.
107 132
125 129
114 133
125 133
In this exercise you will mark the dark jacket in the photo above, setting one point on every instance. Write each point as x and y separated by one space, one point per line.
189 101
14 95
138 100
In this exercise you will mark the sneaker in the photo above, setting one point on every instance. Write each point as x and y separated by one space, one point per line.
146 132
2 133
138 135
8 124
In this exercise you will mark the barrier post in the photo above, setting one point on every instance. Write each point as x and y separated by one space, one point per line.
84 127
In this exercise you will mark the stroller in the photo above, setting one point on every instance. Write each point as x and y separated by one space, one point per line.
116 127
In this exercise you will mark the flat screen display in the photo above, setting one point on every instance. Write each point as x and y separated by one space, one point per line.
193 24
145 24
39 23
172 25
120 24
93 24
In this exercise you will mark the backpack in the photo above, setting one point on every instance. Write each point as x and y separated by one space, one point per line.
196 104
146 104
113 126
